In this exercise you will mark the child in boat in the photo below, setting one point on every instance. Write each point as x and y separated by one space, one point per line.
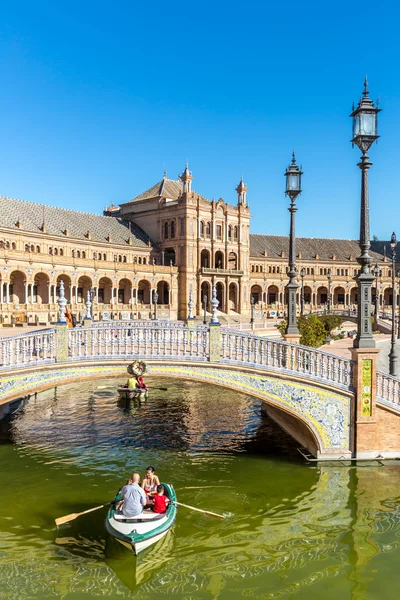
150 483
160 501
140 383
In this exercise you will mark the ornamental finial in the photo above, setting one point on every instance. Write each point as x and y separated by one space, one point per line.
365 92
293 158
214 304
62 301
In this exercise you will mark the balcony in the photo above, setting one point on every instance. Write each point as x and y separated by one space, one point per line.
215 271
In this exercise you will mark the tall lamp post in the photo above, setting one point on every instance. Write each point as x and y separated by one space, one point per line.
329 290
293 189
393 356
365 133
398 318
205 300
376 275
302 274
155 300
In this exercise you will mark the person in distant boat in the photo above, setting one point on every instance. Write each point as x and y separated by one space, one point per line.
134 497
150 483
160 501
131 383
140 383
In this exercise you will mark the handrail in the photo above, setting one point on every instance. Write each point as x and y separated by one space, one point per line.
388 389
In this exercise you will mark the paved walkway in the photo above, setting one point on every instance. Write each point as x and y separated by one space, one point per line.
342 348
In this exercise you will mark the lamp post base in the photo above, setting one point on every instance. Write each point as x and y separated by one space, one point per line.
293 338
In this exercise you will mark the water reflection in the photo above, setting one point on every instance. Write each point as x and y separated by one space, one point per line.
294 532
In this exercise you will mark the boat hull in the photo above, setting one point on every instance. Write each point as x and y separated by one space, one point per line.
144 530
135 394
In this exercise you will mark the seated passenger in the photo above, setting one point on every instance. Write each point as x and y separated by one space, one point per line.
140 383
131 383
150 483
160 500
134 497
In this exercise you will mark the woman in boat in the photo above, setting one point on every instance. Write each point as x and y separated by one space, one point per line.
150 483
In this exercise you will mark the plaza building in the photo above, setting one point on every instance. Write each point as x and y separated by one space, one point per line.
173 241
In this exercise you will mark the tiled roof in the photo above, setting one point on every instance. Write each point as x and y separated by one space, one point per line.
57 220
308 248
166 188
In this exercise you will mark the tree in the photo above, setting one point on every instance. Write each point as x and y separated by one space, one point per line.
331 322
311 329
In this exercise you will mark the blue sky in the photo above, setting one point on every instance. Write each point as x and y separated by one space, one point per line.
97 98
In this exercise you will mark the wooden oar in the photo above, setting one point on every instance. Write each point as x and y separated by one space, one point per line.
206 512
72 516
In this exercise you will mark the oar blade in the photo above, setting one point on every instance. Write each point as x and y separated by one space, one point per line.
66 519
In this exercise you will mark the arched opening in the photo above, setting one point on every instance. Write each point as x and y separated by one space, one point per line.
67 286
256 294
220 296
208 231
202 229
322 296
219 260
144 292
388 296
354 297
169 257
205 258
205 291
40 290
105 290
124 291
163 292
17 287
339 297
84 285
273 296
233 297
307 295
232 261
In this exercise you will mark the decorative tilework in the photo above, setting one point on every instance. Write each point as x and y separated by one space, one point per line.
326 413
366 395
215 342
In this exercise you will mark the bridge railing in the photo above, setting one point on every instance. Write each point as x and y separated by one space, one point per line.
27 349
140 341
278 355
388 389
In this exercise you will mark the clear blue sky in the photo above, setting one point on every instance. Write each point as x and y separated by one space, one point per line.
96 97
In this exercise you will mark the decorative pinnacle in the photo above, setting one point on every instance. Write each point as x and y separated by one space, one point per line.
190 305
365 92
62 301
293 158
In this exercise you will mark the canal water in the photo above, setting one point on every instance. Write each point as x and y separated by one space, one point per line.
292 531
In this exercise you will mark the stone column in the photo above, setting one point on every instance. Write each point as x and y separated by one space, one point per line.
26 292
364 426
1 292
8 293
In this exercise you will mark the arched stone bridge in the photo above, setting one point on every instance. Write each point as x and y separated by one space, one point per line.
311 394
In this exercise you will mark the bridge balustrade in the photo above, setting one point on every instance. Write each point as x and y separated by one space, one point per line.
140 341
278 355
27 349
388 389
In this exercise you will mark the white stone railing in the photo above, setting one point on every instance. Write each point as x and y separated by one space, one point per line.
27 349
139 323
249 349
139 341
388 389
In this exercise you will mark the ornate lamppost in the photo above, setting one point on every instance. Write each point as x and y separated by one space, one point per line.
365 133
302 274
329 290
155 300
376 311
293 189
393 355
252 309
398 318
205 300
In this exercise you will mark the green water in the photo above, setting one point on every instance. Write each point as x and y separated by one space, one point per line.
291 530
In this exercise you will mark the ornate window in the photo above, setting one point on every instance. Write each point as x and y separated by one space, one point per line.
166 230
235 233
172 229
208 230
